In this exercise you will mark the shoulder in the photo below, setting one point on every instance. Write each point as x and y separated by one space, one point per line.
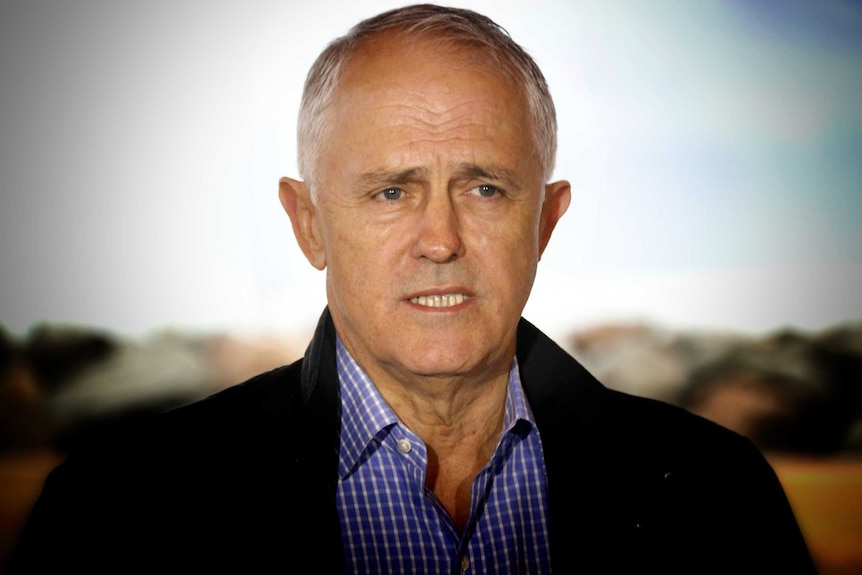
211 446
231 411
629 434
232 425
217 473
624 438
648 421
568 402
674 485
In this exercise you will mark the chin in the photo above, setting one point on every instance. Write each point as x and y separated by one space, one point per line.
444 362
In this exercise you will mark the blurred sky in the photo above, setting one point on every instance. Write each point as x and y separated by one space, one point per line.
714 148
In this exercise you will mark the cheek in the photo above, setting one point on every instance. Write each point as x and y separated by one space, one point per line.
522 245
508 259
361 256
512 244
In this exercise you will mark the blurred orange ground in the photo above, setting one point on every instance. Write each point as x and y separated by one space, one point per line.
21 478
826 494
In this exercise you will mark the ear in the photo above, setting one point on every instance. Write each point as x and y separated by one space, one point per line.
296 200
556 202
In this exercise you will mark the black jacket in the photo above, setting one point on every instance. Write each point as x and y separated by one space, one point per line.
246 479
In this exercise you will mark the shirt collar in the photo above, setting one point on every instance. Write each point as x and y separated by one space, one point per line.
366 418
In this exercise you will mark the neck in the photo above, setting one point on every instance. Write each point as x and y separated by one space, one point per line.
447 410
460 423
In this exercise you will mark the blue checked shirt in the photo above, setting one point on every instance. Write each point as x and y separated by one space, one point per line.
392 524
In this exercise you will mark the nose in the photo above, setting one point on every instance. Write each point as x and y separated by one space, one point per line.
438 236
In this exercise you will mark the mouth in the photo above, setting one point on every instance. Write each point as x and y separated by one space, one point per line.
441 301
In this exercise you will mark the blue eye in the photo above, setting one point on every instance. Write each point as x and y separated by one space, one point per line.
391 194
487 190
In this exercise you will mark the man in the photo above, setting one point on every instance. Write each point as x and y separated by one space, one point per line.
428 429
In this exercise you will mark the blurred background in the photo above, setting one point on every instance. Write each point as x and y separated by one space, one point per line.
711 257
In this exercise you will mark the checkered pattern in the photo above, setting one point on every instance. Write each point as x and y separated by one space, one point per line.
392 524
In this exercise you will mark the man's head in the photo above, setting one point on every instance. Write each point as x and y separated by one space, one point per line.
429 208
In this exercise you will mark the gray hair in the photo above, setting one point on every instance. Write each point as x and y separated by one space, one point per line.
454 25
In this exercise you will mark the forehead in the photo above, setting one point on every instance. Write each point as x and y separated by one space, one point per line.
389 55
387 47
387 67
423 89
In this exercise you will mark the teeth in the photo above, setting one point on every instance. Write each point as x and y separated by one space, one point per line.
447 300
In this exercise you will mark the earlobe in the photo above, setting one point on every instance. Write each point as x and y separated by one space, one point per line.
558 195
296 200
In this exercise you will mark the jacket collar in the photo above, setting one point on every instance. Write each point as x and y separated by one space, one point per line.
561 392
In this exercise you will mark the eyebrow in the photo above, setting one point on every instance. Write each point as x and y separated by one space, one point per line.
382 177
497 173
462 171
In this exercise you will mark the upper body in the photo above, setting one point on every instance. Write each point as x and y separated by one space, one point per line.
426 145
248 478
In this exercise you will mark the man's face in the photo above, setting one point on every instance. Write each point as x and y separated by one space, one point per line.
429 214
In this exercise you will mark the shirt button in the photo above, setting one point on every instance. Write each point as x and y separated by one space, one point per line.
465 563
404 445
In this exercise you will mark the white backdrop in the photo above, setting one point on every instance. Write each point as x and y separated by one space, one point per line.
714 147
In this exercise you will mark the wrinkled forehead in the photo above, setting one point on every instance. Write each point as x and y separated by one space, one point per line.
424 78
384 51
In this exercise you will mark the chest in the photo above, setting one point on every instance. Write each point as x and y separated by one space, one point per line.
385 503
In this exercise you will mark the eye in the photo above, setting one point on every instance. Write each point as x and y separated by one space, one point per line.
390 194
486 190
